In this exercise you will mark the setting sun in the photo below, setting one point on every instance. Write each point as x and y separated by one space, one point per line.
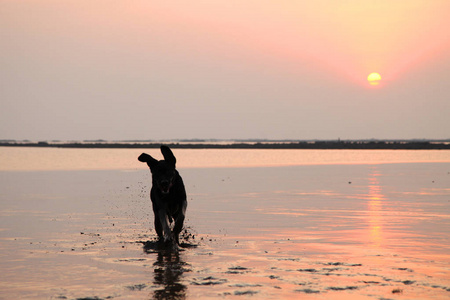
374 78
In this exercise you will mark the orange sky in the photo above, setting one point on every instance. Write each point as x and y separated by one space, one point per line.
249 69
354 38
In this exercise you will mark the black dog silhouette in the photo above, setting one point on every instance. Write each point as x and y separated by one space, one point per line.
168 195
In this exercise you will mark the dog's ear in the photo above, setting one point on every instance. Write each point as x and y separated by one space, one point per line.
144 157
168 155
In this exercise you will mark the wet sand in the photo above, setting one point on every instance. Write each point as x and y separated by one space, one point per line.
377 231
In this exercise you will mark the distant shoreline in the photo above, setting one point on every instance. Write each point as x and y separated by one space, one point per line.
337 145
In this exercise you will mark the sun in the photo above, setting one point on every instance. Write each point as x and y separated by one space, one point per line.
374 78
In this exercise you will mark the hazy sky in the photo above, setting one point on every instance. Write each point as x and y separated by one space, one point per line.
110 69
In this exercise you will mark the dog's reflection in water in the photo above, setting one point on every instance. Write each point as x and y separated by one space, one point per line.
168 271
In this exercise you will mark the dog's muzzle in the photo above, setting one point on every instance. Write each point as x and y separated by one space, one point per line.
164 186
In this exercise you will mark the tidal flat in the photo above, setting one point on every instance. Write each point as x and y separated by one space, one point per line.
328 231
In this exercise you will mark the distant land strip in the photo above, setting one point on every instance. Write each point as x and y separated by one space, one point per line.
356 145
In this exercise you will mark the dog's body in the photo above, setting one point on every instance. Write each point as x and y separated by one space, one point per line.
168 195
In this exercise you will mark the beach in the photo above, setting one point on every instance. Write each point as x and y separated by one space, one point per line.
340 229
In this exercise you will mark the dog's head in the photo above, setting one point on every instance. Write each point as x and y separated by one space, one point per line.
163 171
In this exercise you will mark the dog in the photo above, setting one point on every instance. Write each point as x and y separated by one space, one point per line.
168 195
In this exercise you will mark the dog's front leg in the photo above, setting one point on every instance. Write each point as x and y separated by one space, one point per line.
164 220
179 220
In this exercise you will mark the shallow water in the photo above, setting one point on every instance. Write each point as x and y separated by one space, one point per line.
325 231
63 159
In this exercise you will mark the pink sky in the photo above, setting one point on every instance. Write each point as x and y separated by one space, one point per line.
224 69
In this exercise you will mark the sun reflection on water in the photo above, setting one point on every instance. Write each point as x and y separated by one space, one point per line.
375 209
